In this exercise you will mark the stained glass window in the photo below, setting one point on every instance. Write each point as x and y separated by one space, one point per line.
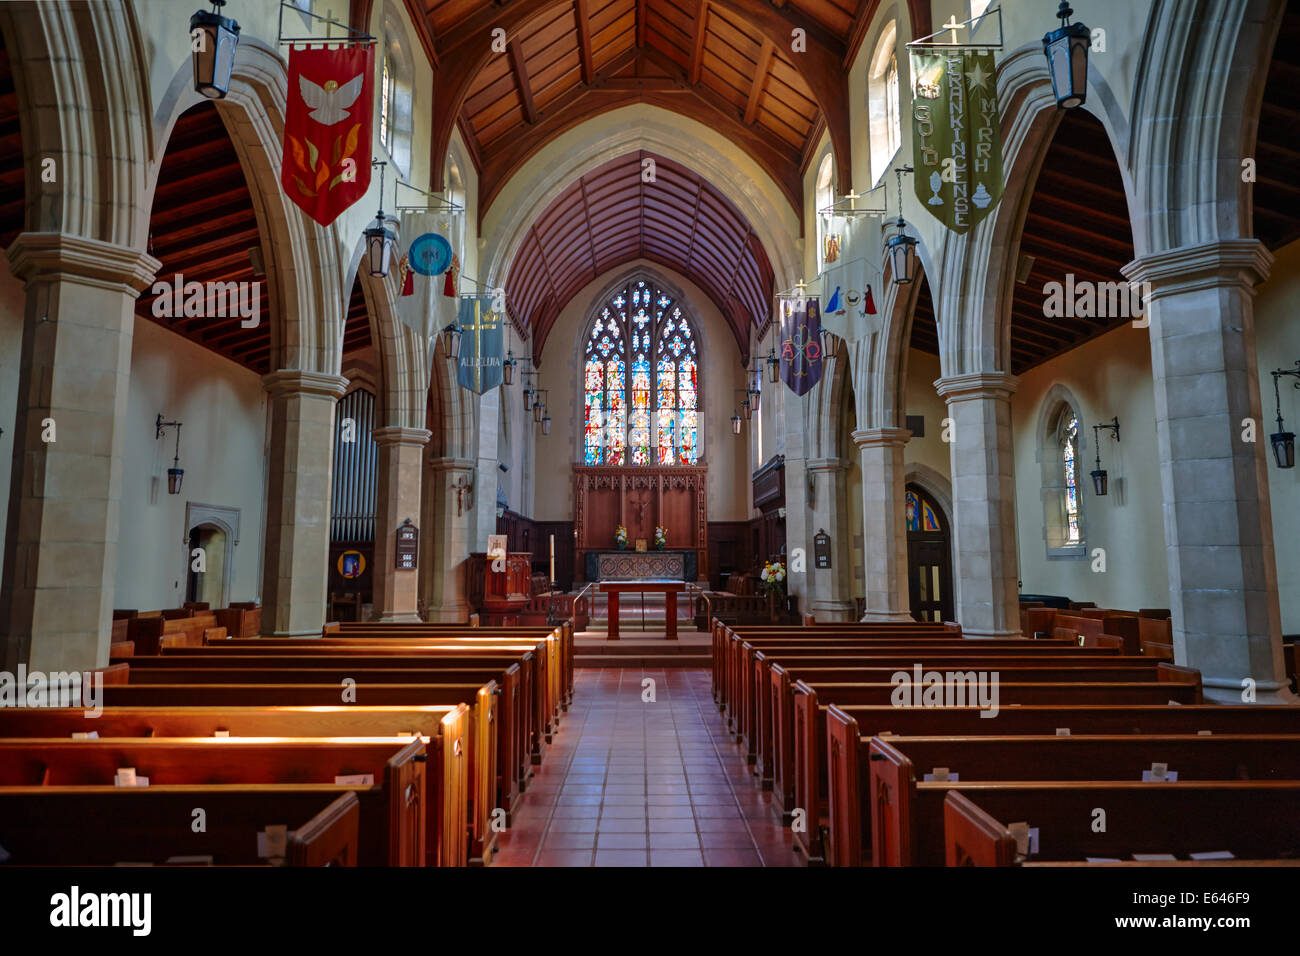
1069 457
641 383
920 514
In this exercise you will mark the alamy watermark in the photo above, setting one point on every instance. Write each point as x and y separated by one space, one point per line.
946 689
208 300
83 689
1096 300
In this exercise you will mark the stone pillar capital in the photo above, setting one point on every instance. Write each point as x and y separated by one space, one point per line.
826 465
1244 262
298 382
397 435
53 254
977 385
876 437
451 464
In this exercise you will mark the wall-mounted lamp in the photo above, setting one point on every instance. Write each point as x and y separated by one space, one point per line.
451 340
773 367
1066 49
745 408
464 490
735 422
508 368
539 406
175 474
1099 476
1282 440
213 39
529 391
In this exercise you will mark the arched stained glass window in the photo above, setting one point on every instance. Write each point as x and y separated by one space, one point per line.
641 382
920 514
1069 461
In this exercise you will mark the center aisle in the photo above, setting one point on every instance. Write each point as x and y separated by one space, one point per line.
633 783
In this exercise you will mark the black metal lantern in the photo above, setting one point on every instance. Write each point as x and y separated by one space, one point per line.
175 474
213 39
451 342
1282 440
539 407
755 397
508 368
773 367
546 424
1099 477
901 252
1066 49
735 423
1283 448
379 238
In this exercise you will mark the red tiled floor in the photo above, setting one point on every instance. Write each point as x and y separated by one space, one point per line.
629 783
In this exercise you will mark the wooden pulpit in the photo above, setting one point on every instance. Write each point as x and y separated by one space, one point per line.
499 595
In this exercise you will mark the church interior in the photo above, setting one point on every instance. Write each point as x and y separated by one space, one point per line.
656 428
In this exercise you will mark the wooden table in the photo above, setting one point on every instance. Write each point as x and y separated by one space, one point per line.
668 588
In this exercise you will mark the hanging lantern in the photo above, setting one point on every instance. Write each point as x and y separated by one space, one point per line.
1099 481
1283 448
379 247
735 423
746 412
451 343
901 252
508 369
1282 440
755 397
546 424
213 39
539 407
773 367
175 474
1066 49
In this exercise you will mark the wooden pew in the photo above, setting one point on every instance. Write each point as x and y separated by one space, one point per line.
240 620
813 760
773 743
906 824
850 729
454 735
480 697
1252 820
392 808
100 826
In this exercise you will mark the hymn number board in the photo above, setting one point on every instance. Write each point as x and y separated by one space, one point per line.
821 550
407 546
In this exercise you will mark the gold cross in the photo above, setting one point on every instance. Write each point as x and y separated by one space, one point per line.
954 26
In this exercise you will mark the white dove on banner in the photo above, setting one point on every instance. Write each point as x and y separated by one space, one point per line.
330 103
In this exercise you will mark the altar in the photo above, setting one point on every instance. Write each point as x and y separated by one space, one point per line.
640 565
668 588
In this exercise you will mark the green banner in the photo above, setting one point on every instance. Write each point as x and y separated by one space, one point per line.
957 152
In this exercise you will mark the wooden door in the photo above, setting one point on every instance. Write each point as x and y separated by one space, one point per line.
929 558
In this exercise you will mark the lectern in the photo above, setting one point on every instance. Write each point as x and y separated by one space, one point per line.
500 594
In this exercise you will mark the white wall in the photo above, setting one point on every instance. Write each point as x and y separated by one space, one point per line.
720 371
223 409
923 400
1108 376
12 300
1277 340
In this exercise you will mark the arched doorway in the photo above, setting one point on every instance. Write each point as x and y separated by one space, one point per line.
929 557
209 585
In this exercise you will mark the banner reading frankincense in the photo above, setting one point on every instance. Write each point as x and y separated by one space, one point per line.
957 152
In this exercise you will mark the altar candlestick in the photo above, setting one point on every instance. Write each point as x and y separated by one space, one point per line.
552 562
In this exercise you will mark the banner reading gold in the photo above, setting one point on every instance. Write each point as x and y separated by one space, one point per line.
957 152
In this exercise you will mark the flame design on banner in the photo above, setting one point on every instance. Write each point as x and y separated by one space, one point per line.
800 344
327 121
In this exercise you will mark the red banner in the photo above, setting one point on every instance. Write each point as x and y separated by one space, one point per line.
327 129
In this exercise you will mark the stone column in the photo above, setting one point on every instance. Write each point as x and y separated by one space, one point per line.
60 567
447 531
1218 522
831 590
299 488
884 523
397 497
984 502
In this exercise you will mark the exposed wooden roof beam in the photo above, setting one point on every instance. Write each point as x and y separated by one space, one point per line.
521 80
759 82
582 11
640 23
701 34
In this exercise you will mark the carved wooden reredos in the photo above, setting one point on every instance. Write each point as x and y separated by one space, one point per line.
640 498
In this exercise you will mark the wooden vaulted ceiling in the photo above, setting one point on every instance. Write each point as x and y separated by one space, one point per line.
202 226
611 216
727 63
1277 150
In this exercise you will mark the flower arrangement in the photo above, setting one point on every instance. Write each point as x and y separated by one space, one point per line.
620 537
661 537
773 577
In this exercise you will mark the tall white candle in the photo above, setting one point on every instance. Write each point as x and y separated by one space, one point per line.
552 559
